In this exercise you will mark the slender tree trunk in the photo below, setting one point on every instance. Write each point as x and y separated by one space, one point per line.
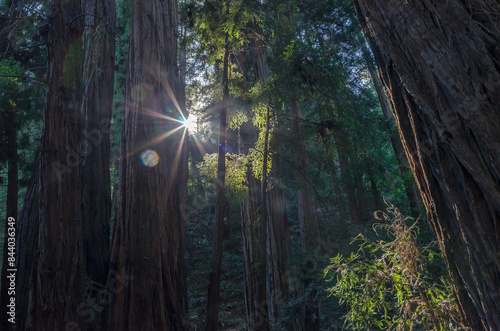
10 217
262 244
278 274
250 227
375 192
336 186
98 77
439 63
148 270
273 210
351 192
26 251
212 318
309 229
60 275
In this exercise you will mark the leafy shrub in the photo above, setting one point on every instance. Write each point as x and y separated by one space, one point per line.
386 284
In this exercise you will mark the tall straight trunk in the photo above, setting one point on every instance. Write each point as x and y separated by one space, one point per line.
212 317
336 186
439 63
96 109
278 275
262 244
375 192
261 71
250 234
309 228
11 215
60 274
411 188
147 260
357 175
26 254
273 210
349 184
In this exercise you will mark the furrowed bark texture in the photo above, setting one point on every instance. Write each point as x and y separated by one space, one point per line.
96 109
148 271
60 274
440 65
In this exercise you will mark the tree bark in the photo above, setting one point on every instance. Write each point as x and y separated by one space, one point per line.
250 234
338 193
309 229
212 317
96 108
411 188
439 63
148 270
375 192
262 243
278 273
351 192
26 250
60 275
11 214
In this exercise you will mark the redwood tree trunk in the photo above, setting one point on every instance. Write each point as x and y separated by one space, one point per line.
351 192
11 215
60 274
309 229
97 105
250 234
212 318
278 275
440 65
26 250
149 245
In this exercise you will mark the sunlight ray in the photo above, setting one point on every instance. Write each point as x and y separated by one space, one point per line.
153 113
153 141
200 146
177 157
171 94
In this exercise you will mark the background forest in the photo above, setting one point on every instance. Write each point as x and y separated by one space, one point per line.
289 200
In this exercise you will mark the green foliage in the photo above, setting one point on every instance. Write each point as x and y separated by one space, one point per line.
387 285
235 173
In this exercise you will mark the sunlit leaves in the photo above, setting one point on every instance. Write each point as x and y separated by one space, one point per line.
386 284
235 173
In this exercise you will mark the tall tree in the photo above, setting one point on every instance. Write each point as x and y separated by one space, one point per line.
212 318
439 63
149 242
309 226
9 120
99 45
60 273
26 248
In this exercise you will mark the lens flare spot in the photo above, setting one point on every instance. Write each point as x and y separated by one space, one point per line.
149 158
